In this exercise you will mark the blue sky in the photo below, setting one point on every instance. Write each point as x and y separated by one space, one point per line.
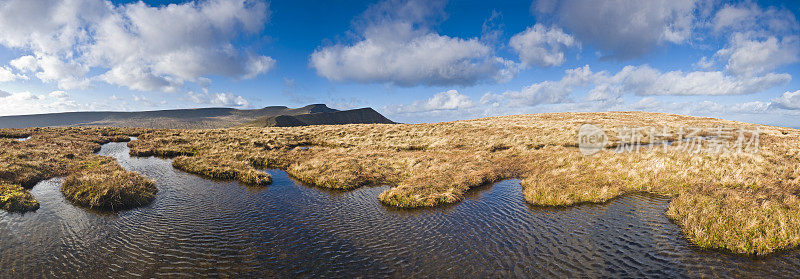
414 61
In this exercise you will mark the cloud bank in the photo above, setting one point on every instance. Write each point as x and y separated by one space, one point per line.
396 45
133 45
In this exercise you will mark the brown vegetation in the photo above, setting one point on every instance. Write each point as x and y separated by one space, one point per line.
744 203
14 198
99 182
53 152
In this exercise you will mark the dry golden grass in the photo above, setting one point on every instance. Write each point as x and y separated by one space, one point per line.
14 198
100 183
222 168
53 152
744 203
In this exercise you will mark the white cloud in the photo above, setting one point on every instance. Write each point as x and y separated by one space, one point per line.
225 99
58 94
21 103
750 107
396 46
139 46
752 56
447 100
639 80
69 75
749 16
695 108
704 63
789 100
542 46
759 40
26 63
547 92
644 80
625 28
7 75
138 77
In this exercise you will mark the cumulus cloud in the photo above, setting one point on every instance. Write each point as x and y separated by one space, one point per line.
137 46
7 75
625 28
752 56
759 40
25 63
638 80
447 100
396 45
542 46
789 100
225 99
19 103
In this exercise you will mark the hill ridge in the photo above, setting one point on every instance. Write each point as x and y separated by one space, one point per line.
193 118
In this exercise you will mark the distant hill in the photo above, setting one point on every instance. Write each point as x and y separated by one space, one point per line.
355 116
196 118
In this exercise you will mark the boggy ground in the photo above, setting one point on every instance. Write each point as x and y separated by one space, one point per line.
740 202
92 181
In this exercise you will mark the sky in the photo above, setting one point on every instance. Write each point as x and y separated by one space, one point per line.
413 61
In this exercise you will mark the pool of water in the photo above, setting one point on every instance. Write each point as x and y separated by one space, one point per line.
199 227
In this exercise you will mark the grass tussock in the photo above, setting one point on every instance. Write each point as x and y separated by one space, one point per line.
14 198
222 168
744 203
100 183
53 152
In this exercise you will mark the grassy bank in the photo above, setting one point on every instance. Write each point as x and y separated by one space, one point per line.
54 152
744 203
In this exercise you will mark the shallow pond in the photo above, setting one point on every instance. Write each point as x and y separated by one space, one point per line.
202 227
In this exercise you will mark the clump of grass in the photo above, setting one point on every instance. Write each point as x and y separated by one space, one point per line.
14 198
100 183
222 168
